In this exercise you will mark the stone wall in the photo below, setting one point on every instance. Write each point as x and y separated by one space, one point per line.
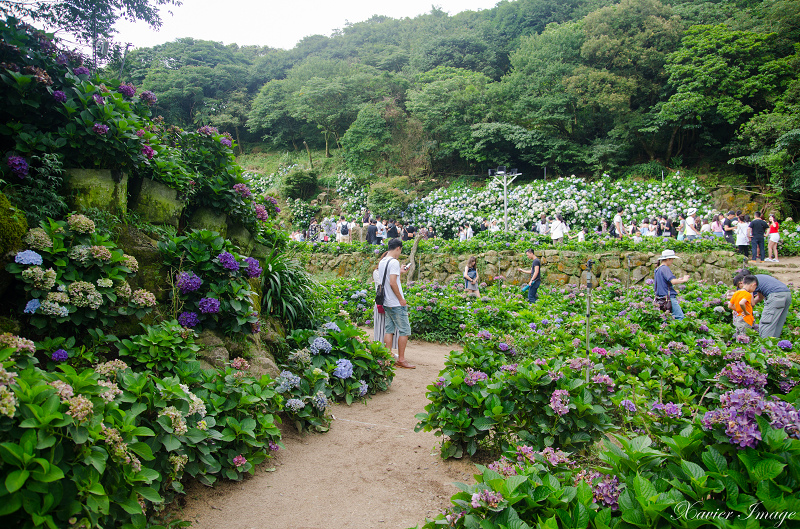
558 266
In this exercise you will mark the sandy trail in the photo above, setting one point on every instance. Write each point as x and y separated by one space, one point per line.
370 470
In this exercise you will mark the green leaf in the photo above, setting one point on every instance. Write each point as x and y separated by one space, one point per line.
171 443
767 469
16 479
149 493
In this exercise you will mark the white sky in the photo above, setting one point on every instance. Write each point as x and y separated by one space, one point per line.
276 24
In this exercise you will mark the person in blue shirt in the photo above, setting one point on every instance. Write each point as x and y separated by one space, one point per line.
777 299
665 281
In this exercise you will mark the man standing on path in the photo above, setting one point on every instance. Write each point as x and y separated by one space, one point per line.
777 300
758 227
536 276
394 304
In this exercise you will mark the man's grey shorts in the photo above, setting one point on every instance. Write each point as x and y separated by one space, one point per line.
397 321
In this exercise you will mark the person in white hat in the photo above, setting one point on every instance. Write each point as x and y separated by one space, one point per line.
690 231
665 282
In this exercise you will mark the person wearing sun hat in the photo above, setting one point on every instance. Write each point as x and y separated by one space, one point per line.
665 282
690 230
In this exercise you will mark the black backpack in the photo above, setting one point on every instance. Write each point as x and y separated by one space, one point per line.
345 229
380 294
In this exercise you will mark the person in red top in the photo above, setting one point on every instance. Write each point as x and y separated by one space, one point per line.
774 237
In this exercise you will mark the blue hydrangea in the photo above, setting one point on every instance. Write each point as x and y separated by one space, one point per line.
28 257
295 405
320 345
363 388
344 368
331 326
320 401
32 305
288 380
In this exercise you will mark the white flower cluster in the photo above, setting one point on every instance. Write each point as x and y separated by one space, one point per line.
353 191
582 203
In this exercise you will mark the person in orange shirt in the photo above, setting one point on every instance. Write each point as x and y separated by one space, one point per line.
741 304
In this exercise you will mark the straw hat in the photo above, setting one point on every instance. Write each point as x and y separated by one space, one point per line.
668 254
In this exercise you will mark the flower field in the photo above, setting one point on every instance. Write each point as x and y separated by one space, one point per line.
659 414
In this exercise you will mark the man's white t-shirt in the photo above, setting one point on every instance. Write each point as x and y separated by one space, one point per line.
690 226
389 298
381 230
618 223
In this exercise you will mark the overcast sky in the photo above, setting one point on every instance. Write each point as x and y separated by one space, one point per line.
276 24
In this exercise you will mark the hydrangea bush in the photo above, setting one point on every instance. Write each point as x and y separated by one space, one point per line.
72 275
211 286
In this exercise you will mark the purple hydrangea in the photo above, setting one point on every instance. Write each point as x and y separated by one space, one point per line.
188 319
239 461
472 377
148 98
363 387
19 166
786 345
741 374
59 96
243 190
503 346
253 267
485 335
28 257
99 128
148 152
81 70
670 409
228 261
59 355
628 405
559 401
262 215
128 90
344 368
100 100
226 142
209 306
188 282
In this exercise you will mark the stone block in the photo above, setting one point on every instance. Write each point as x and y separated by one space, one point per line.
241 237
556 278
97 188
157 203
209 219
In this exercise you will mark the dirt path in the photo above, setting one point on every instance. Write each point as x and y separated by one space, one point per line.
370 470
787 270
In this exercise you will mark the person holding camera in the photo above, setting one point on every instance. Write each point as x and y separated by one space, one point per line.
536 276
395 306
665 281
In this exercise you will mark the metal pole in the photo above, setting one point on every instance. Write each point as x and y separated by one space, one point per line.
505 201
588 301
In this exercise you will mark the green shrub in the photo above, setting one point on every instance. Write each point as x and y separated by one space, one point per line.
12 226
287 292
211 286
71 274
299 183
391 197
160 348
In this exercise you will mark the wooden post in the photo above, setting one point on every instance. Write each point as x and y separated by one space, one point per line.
310 161
411 260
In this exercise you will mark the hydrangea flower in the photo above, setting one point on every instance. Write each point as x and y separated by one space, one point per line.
344 368
59 355
18 165
472 377
142 298
99 128
741 374
59 96
188 282
28 257
148 152
288 380
331 326
628 405
320 345
240 364
786 345
226 142
228 261
80 224
148 98
362 388
242 190
128 90
253 267
81 70
32 305
559 401
239 461
261 213
320 401
209 305
295 405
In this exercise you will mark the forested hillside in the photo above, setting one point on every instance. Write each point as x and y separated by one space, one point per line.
579 86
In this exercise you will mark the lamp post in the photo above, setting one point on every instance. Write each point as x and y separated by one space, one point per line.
512 174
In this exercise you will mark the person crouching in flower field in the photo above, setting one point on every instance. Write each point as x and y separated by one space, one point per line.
777 300
741 303
665 282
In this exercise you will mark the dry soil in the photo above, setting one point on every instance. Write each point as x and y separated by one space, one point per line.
371 470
